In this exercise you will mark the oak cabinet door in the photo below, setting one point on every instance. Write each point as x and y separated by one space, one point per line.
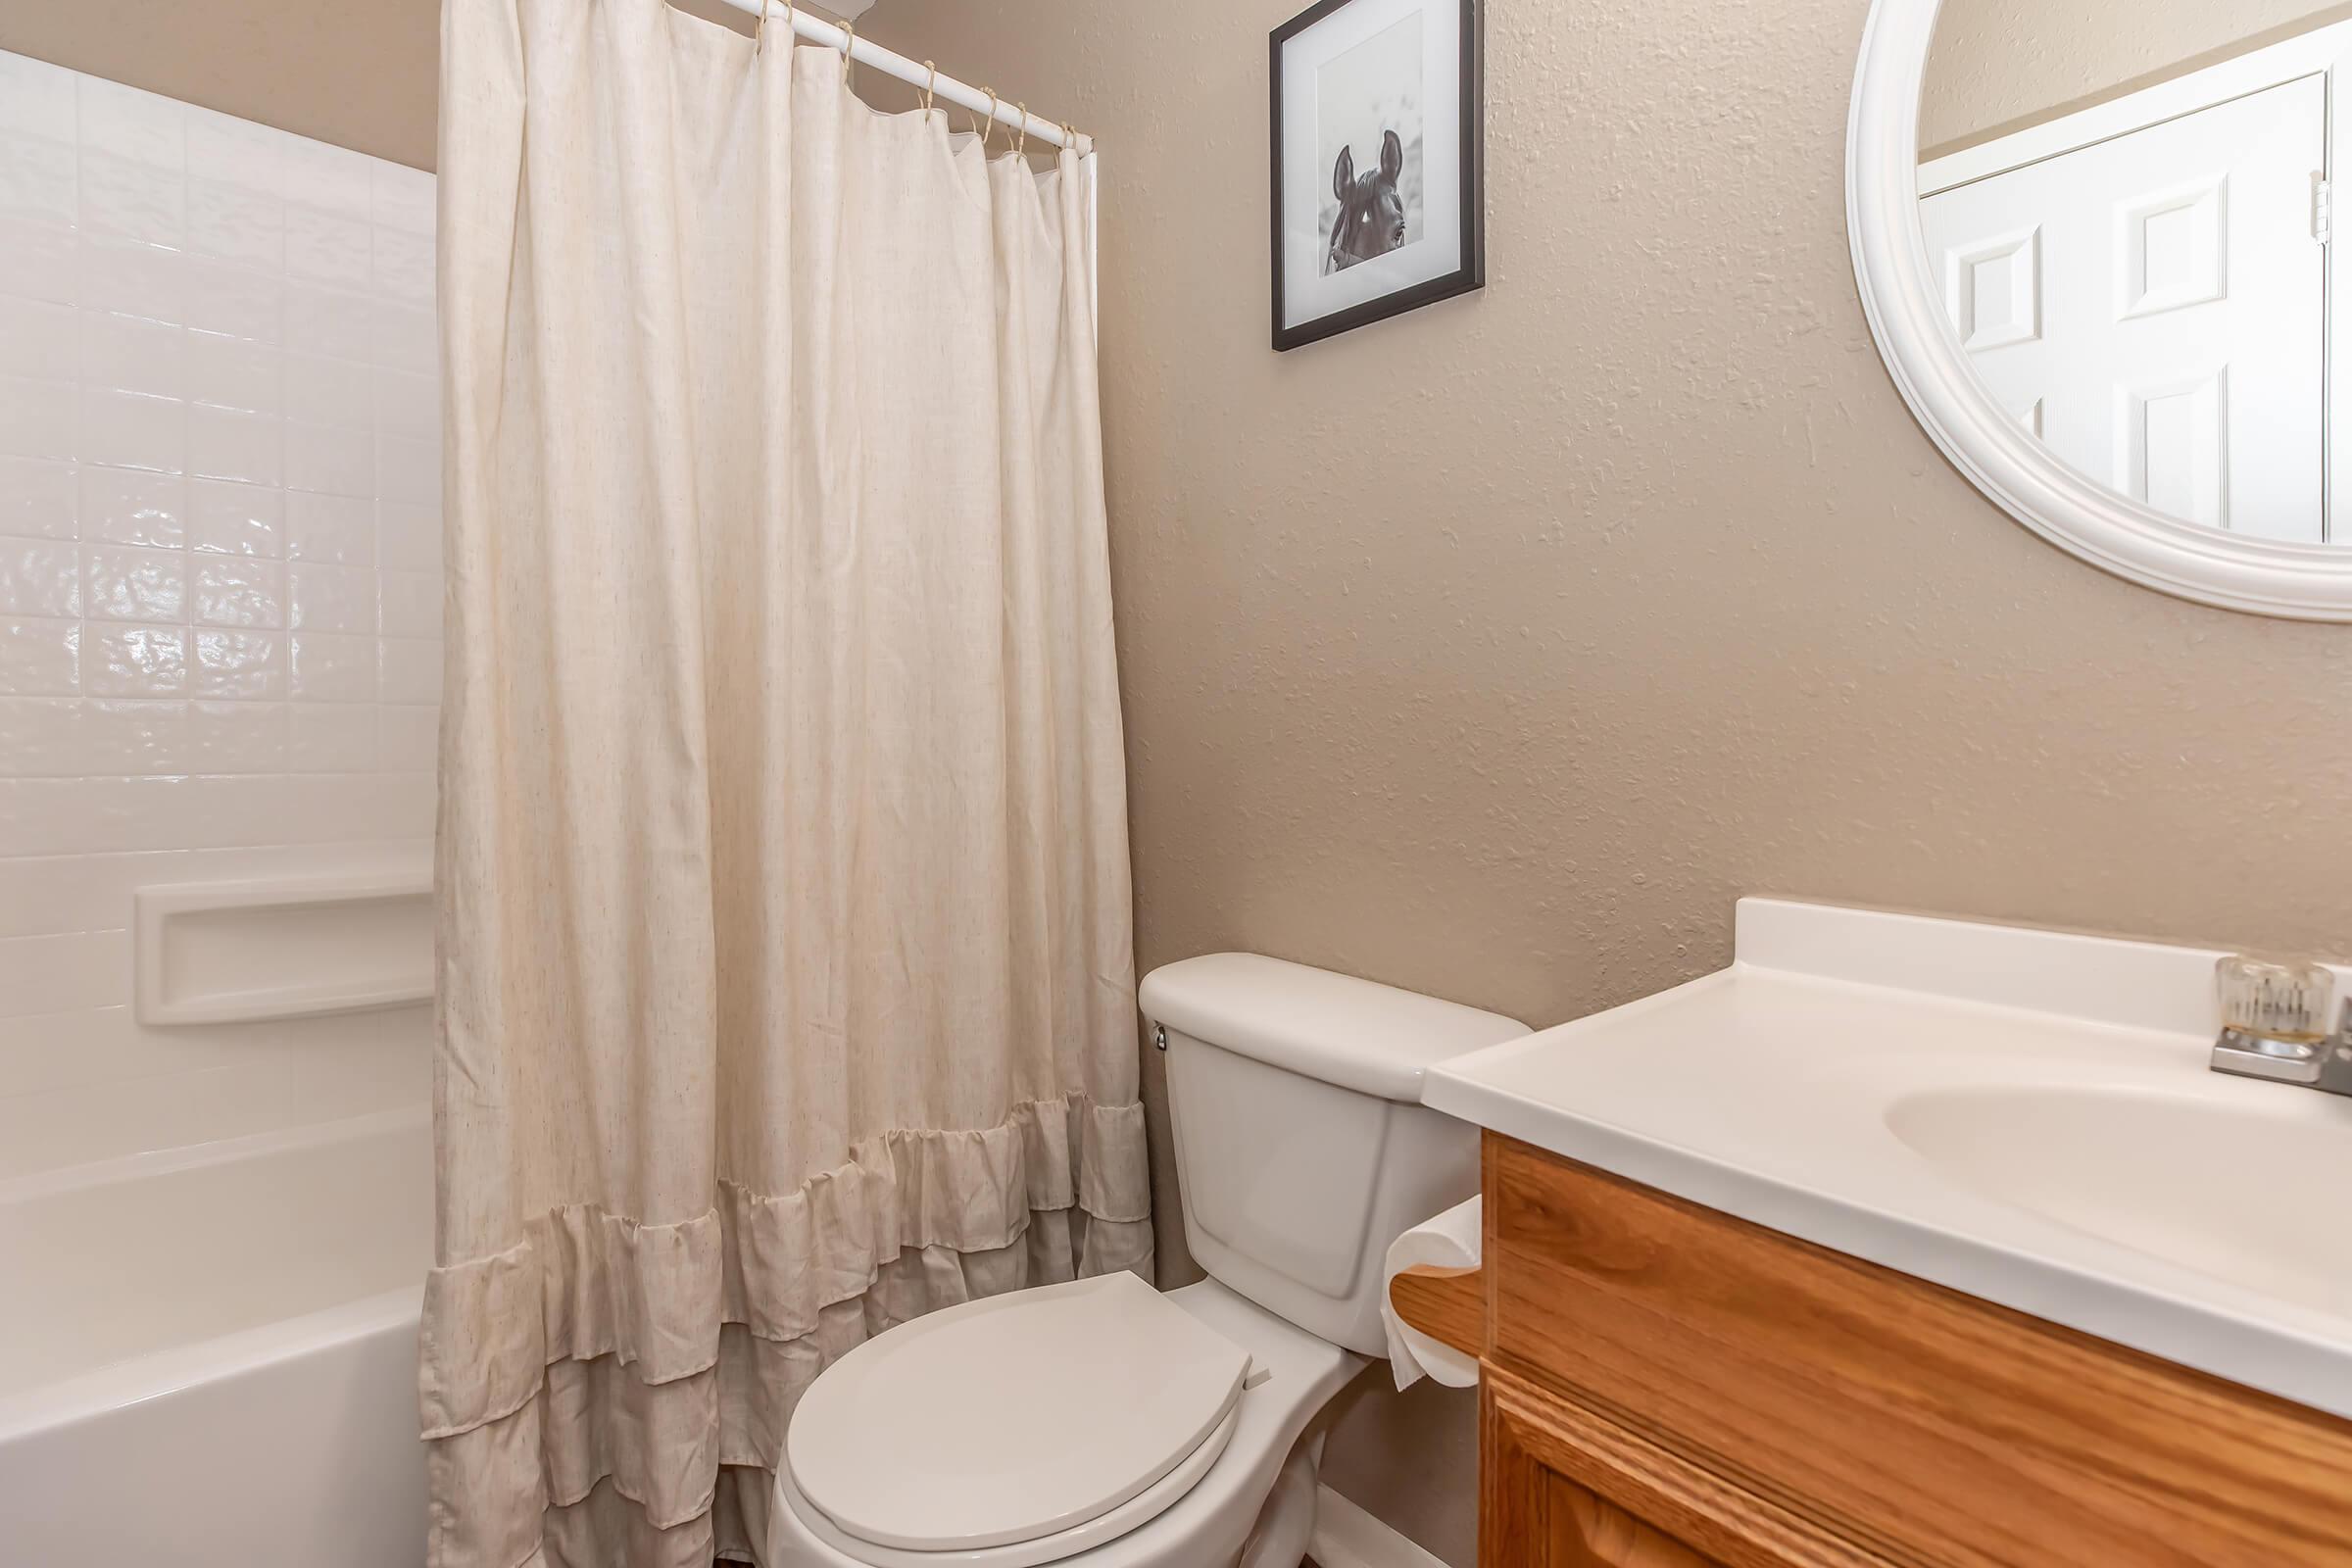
1532 1516
1563 1485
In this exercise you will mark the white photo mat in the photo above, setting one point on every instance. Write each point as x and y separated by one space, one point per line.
1309 292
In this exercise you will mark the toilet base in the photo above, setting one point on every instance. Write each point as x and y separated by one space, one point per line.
1287 1523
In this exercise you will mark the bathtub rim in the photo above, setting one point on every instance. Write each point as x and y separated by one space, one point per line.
101 1391
172 1368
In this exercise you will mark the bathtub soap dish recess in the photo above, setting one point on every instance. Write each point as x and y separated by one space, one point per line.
282 947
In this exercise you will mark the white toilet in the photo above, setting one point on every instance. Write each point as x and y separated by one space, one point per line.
1100 1424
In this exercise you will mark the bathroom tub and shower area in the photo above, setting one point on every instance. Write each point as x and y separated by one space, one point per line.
563 851
221 596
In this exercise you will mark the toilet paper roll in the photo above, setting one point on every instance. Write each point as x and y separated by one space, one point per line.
1443 1241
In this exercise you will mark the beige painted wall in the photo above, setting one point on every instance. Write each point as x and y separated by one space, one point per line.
361 74
2001 64
1493 650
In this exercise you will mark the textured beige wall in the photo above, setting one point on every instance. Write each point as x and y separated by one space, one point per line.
2001 64
1493 650
361 74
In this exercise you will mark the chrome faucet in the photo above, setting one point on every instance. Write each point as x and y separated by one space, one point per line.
2273 1023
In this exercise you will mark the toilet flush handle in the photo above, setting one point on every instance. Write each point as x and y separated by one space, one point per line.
1159 1036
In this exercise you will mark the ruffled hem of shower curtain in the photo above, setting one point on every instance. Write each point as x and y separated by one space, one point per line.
588 1395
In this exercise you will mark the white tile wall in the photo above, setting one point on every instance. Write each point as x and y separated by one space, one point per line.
220 577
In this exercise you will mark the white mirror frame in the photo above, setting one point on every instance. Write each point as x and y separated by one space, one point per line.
1900 296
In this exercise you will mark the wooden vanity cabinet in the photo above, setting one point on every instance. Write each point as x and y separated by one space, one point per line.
1666 1387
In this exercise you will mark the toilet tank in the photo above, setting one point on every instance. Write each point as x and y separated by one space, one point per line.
1301 1144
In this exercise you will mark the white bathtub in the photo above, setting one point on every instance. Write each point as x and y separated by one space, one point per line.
208 1355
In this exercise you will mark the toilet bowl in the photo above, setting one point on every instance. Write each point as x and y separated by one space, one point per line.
1099 1424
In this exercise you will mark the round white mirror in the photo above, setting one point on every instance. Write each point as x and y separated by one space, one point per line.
2095 242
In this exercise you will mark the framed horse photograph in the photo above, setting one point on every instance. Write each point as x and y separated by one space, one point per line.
1379 201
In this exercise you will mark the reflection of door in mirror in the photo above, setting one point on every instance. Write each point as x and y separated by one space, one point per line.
2143 282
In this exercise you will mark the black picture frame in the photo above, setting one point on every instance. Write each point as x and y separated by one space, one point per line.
1467 278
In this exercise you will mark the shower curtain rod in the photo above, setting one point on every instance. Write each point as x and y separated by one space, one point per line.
820 32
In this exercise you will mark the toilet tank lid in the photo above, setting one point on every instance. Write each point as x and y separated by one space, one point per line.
1356 1034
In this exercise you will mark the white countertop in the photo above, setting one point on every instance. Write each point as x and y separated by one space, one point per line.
2025 1116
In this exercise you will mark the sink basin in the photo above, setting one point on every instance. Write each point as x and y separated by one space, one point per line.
2250 1195
2024 1116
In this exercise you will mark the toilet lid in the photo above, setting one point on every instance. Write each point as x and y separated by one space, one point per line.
1127 1518
1011 1418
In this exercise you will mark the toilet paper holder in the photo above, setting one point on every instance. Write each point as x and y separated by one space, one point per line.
1449 1305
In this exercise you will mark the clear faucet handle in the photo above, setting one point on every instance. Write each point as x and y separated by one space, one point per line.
2280 1009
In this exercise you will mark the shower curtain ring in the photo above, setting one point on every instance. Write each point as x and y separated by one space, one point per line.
930 86
1021 146
990 129
760 29
849 42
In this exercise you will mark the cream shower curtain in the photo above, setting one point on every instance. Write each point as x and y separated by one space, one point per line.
786 979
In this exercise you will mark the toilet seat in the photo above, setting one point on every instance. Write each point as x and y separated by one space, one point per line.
1015 1430
1129 1516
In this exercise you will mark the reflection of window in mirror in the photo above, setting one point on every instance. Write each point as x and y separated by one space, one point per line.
2126 202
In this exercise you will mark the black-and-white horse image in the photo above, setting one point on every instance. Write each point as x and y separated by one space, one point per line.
1371 220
